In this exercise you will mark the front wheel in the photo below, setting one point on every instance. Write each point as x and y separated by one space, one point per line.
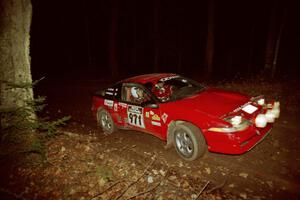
189 142
105 121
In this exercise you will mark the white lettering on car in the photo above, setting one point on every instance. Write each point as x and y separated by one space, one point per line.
168 78
108 103
123 105
155 123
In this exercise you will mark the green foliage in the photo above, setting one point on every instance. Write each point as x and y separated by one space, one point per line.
23 85
36 147
50 127
20 119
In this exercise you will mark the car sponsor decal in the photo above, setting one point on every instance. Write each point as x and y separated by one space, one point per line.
249 109
240 107
108 103
156 117
123 105
155 123
164 117
135 116
147 114
115 107
168 78
112 91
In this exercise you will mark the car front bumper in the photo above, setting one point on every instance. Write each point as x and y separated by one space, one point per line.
236 143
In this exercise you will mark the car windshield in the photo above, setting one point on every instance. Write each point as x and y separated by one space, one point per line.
174 88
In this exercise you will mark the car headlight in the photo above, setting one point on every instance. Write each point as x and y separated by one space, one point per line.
236 120
238 124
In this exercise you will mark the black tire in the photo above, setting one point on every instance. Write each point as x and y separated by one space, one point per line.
189 141
105 121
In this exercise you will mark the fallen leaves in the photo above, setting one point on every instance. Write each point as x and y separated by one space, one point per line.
81 169
207 170
243 174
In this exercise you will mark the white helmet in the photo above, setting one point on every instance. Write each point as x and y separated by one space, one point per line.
134 92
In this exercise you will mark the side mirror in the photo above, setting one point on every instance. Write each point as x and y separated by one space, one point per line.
151 105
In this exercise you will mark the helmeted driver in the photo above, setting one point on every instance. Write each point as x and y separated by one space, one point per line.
138 95
162 91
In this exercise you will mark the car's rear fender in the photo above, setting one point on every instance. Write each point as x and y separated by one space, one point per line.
97 102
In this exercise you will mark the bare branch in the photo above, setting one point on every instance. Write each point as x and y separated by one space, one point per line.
218 186
202 190
144 192
108 188
134 182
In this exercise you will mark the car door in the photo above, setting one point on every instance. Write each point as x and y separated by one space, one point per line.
152 119
138 114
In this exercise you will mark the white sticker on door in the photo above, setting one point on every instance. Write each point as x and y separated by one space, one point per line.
135 116
108 103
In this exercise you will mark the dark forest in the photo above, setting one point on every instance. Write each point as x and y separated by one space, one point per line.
215 39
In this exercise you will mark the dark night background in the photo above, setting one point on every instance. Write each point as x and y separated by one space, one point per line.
71 39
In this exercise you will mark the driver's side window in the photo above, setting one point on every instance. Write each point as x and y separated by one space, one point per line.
135 95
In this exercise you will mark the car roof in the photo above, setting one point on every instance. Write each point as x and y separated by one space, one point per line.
148 78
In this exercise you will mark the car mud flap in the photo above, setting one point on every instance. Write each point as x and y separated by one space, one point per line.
171 128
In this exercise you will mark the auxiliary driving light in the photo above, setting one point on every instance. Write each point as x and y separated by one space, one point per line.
276 109
261 121
261 102
270 116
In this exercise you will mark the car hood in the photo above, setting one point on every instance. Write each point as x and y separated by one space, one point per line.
214 102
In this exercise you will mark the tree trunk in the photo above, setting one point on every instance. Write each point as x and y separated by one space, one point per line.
15 21
271 39
113 38
134 35
210 39
87 32
156 35
274 65
179 41
251 49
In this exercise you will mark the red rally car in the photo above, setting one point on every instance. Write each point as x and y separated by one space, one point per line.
186 114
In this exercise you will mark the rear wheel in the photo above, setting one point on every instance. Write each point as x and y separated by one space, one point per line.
106 122
189 142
